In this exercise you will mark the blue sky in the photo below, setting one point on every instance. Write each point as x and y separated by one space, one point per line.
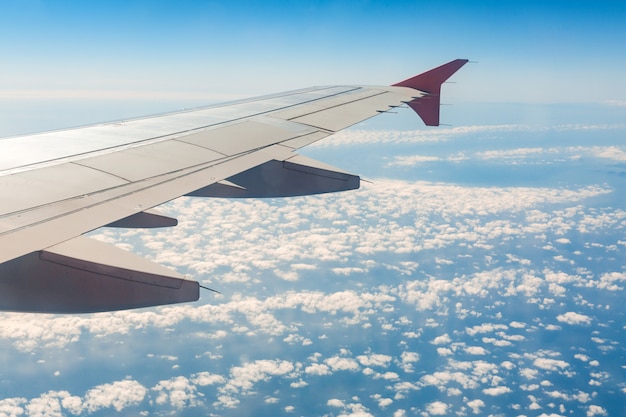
528 51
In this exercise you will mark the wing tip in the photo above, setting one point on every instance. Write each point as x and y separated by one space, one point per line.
429 82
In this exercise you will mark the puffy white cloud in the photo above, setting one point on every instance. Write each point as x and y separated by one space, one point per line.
243 378
337 363
73 404
47 405
226 401
609 281
572 317
529 373
410 356
407 359
476 350
179 392
317 369
442 378
206 378
299 384
374 359
437 408
333 402
441 340
118 395
444 352
550 364
496 342
596 410
476 405
485 328
12 407
495 391
384 402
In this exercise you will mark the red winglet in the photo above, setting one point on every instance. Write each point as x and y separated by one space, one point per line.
427 107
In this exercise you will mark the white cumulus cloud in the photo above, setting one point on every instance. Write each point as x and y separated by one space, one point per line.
572 317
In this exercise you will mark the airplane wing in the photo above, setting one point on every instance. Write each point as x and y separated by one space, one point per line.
57 186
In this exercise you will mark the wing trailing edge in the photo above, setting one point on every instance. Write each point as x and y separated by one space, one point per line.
429 82
84 275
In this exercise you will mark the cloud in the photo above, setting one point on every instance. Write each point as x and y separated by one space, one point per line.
242 378
495 391
437 408
206 378
384 402
529 373
117 395
444 352
476 405
361 137
47 405
299 384
407 360
179 392
573 318
476 350
609 152
596 410
412 160
337 363
511 153
550 364
442 378
441 340
317 369
333 402
12 407
609 280
374 359
485 328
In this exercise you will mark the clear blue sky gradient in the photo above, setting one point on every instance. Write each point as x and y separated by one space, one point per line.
528 51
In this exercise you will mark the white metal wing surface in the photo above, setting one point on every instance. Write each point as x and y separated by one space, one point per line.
56 186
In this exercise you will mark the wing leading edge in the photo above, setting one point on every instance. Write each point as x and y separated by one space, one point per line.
114 174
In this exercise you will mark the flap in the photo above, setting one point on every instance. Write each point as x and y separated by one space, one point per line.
86 254
84 275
